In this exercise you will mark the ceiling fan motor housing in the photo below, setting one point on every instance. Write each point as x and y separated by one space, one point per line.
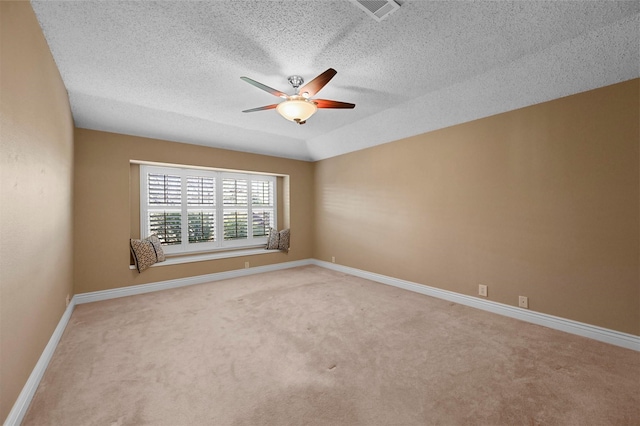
296 81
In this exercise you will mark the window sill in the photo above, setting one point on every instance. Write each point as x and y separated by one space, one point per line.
200 257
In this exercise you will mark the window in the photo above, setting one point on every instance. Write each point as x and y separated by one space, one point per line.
195 210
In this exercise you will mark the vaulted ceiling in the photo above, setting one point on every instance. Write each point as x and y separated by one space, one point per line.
171 69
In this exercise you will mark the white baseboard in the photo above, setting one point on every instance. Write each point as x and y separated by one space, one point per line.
21 405
613 337
182 282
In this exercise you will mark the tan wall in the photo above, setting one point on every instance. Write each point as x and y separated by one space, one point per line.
541 202
36 159
103 223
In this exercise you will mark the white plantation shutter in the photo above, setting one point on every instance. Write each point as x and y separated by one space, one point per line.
263 207
194 210
201 210
202 226
201 190
236 224
164 198
235 193
167 224
262 220
262 192
164 190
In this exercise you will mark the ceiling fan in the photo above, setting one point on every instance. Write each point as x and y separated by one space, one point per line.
299 107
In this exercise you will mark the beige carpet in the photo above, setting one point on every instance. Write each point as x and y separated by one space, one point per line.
309 346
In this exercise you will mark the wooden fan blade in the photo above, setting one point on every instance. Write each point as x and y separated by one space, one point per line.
263 108
326 103
268 89
314 86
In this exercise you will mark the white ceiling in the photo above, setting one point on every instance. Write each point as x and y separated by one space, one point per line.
171 69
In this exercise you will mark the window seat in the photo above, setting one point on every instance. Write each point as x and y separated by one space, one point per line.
200 257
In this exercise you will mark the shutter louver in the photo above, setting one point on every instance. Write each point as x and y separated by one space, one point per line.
234 192
164 190
202 225
262 221
201 191
235 223
167 225
262 193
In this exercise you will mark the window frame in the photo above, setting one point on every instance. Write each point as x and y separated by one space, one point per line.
219 244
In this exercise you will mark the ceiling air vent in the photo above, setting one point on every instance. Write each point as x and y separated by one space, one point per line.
377 9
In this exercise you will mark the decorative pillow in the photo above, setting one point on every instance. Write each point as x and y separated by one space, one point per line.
283 240
146 252
157 245
274 238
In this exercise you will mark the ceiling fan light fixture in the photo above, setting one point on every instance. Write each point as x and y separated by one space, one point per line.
297 109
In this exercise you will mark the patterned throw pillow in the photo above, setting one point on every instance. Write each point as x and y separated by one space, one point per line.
283 243
146 252
274 238
157 245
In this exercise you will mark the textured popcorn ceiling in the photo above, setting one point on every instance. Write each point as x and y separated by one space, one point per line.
171 69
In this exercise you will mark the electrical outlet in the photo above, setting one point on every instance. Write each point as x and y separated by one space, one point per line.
333 259
482 290
67 300
246 264
523 302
